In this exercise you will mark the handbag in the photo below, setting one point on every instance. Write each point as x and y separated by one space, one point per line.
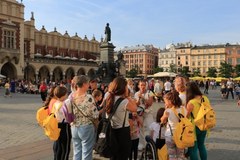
162 147
163 153
94 121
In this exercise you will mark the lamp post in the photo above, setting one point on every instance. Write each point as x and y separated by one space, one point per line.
26 69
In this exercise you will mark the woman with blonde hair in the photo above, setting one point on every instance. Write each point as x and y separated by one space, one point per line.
180 86
84 109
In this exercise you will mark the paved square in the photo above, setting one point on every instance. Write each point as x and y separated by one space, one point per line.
21 137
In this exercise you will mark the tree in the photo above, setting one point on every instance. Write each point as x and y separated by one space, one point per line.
212 72
225 70
157 69
173 68
237 70
185 71
196 72
132 73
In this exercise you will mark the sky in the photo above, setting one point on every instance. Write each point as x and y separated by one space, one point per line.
136 22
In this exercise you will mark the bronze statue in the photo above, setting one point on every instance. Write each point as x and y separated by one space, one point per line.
107 33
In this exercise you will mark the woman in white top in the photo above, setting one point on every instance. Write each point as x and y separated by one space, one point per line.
120 123
172 100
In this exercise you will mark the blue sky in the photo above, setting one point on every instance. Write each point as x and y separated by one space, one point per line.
133 22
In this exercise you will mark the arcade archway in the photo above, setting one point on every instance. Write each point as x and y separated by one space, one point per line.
57 74
9 70
91 73
69 73
44 74
29 73
81 71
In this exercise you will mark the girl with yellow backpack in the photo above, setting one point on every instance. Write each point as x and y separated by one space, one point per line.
173 104
194 100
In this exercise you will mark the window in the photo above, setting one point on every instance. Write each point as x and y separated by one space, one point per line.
209 56
229 61
204 63
238 60
193 63
186 62
204 57
199 63
166 62
215 62
186 57
229 52
193 57
209 62
9 39
238 51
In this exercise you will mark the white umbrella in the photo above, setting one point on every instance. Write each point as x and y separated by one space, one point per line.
38 55
48 56
2 76
165 74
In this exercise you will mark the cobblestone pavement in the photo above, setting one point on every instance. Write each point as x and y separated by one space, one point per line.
21 138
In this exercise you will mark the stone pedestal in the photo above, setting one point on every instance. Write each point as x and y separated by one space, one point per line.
107 66
106 52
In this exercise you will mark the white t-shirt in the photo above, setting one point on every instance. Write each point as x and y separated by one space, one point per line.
173 120
58 111
182 96
118 117
155 127
145 96
167 86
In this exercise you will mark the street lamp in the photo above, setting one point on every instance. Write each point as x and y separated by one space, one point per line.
26 69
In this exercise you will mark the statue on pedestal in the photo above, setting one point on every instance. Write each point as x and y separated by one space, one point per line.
107 33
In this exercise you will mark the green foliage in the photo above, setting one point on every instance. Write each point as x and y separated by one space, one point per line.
212 72
185 71
157 69
225 70
196 72
173 68
237 70
132 73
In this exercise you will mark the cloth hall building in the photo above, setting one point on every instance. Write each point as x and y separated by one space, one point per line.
35 55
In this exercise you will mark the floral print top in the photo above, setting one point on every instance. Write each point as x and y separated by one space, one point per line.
87 105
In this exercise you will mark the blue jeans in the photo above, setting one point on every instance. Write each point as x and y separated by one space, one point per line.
83 138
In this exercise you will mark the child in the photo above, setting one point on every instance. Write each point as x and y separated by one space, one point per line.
135 123
237 90
7 89
172 101
97 95
61 147
155 130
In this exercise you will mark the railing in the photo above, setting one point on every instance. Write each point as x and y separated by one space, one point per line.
62 61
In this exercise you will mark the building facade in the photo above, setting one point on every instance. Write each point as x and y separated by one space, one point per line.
143 58
183 55
207 56
233 54
26 52
167 57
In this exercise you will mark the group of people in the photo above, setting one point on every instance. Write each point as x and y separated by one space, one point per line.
132 121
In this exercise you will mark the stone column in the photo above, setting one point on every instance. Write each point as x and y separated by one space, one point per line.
36 77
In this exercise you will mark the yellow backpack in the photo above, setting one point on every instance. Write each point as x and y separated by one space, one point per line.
184 135
50 125
206 117
42 113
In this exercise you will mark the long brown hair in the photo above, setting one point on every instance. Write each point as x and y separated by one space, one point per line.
192 91
50 96
116 88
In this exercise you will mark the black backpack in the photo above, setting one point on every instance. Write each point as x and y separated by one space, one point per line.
106 144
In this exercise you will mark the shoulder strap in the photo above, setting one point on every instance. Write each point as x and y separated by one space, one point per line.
115 106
